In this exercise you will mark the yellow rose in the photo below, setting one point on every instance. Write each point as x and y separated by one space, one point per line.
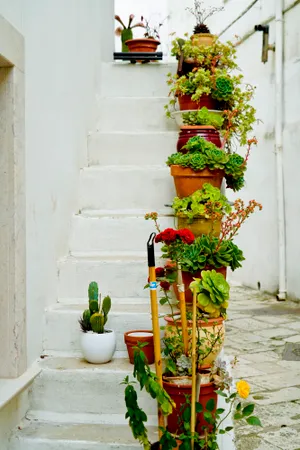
243 388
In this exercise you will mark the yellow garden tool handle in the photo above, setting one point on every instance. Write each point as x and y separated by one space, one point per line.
182 307
155 321
194 369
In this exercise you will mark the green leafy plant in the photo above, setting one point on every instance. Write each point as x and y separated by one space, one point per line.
207 202
95 317
203 116
223 88
212 293
203 154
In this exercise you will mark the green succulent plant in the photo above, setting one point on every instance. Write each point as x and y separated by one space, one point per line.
203 117
202 203
212 293
95 318
223 88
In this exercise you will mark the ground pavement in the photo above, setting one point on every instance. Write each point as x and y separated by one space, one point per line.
261 332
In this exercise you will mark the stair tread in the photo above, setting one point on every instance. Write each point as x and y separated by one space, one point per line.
109 256
85 433
79 364
120 213
125 168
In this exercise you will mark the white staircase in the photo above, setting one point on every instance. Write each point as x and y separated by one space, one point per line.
75 405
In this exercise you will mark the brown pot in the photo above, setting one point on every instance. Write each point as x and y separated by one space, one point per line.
178 394
131 339
187 180
188 131
186 102
200 226
142 45
188 277
203 39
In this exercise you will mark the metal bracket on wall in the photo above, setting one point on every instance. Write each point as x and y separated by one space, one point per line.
266 46
133 57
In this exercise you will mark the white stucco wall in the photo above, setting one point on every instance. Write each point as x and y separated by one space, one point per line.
65 41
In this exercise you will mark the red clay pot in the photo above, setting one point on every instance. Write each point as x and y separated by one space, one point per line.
131 341
188 131
188 277
142 45
186 102
187 180
178 394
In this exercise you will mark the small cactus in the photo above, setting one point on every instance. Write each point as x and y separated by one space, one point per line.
97 323
94 318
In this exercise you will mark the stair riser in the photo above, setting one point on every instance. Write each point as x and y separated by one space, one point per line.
130 189
113 234
135 80
116 278
49 444
134 114
134 148
62 332
84 392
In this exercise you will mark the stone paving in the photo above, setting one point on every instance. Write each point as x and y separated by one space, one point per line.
258 329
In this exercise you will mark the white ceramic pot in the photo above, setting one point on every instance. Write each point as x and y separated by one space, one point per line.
98 348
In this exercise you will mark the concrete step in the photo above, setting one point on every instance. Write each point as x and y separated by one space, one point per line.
118 231
132 80
96 392
133 114
121 148
133 187
55 436
119 275
62 331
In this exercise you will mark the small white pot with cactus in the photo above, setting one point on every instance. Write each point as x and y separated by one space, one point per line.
97 343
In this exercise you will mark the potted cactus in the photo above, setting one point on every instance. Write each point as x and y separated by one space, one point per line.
202 35
98 344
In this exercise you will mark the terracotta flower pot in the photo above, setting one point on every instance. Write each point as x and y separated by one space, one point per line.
142 45
203 39
131 338
187 180
200 226
178 394
207 330
186 102
188 131
188 277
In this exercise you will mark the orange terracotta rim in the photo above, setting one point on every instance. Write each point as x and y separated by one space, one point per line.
177 170
207 324
133 339
195 127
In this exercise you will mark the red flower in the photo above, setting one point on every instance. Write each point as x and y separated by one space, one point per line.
168 236
186 236
165 285
160 272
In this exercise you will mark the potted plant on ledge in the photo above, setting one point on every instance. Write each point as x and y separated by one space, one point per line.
150 42
98 344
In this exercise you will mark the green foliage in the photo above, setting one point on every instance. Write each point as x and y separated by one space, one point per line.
206 202
203 154
206 251
223 88
97 323
212 293
95 318
203 117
